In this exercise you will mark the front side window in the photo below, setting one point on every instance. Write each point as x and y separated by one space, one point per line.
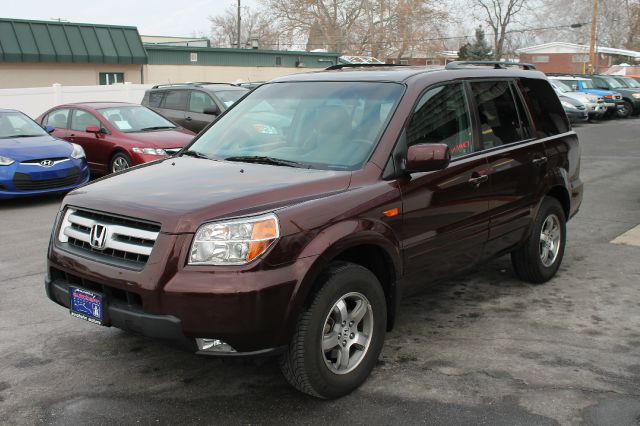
58 119
442 116
176 99
80 120
499 120
129 119
18 125
322 125
200 101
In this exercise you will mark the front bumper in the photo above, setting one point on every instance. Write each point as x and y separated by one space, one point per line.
250 308
577 116
42 180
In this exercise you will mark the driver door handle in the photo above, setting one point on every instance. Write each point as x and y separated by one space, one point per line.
478 180
539 161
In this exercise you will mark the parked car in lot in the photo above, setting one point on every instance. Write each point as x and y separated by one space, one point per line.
32 162
630 96
628 82
576 111
295 231
594 104
116 135
192 105
612 100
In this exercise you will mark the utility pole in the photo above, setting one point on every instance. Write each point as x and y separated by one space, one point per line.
592 44
239 24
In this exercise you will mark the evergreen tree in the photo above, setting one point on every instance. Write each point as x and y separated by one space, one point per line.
479 50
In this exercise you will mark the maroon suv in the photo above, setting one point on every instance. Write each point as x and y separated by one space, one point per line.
295 222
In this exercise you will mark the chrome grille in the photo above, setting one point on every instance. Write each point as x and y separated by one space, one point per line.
125 242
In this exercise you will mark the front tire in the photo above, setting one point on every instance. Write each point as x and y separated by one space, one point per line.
119 162
538 260
339 337
626 110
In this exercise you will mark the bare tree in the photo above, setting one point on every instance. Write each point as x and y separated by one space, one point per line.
255 25
498 15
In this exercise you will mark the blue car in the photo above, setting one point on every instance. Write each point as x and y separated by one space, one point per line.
32 162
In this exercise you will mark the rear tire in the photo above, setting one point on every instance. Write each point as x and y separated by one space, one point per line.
538 260
119 162
339 337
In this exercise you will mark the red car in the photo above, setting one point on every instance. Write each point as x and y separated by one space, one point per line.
115 135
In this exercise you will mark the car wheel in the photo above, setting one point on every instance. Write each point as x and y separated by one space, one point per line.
119 162
626 110
339 337
538 260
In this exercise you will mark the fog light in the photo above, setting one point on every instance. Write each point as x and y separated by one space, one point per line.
213 345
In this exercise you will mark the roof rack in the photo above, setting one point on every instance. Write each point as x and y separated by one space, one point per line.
194 83
341 66
499 65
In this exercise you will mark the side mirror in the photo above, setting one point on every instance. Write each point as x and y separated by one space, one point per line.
211 110
93 129
49 128
427 157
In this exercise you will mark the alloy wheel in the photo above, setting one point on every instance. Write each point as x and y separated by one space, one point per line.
550 240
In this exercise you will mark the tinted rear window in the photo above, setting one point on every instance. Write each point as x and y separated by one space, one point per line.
176 99
155 98
546 111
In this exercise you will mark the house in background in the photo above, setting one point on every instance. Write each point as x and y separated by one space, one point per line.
423 58
560 57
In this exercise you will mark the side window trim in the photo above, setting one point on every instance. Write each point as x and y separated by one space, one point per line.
519 111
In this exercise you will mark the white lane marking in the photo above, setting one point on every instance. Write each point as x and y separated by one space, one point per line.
631 237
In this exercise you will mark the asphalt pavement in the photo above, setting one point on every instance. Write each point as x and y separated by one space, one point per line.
483 348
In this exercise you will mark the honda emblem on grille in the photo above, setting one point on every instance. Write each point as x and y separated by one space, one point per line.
46 163
98 236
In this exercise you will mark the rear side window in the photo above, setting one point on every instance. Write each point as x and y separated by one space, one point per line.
176 99
497 112
200 101
548 115
442 116
80 120
155 98
58 119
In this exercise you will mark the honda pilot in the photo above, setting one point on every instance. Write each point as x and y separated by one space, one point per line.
294 224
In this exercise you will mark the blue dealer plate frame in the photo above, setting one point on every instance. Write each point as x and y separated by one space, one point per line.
86 305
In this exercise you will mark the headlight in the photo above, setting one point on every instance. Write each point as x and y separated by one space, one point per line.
591 98
636 95
235 242
77 152
5 161
150 151
567 105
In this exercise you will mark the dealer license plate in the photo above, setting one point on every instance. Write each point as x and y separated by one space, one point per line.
86 305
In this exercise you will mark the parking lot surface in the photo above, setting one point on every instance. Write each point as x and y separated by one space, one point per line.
483 348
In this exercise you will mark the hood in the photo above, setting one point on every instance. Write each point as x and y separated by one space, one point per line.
182 193
161 138
600 92
35 148
583 97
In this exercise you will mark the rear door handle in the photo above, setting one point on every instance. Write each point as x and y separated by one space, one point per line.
477 180
539 161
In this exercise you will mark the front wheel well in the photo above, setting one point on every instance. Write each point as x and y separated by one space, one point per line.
378 261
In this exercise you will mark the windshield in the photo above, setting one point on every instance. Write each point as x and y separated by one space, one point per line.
587 84
630 82
613 82
571 84
229 97
561 86
128 119
18 125
323 125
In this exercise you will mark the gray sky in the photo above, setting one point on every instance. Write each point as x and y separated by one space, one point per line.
152 17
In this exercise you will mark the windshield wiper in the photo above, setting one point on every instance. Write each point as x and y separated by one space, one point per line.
21 136
265 160
196 154
144 129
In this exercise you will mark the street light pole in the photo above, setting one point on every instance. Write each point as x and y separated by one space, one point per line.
239 24
592 44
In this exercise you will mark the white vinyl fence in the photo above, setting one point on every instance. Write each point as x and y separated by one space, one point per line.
36 100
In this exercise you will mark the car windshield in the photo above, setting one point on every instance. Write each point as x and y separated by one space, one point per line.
17 125
323 125
587 84
613 82
229 97
630 82
571 84
561 86
133 118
